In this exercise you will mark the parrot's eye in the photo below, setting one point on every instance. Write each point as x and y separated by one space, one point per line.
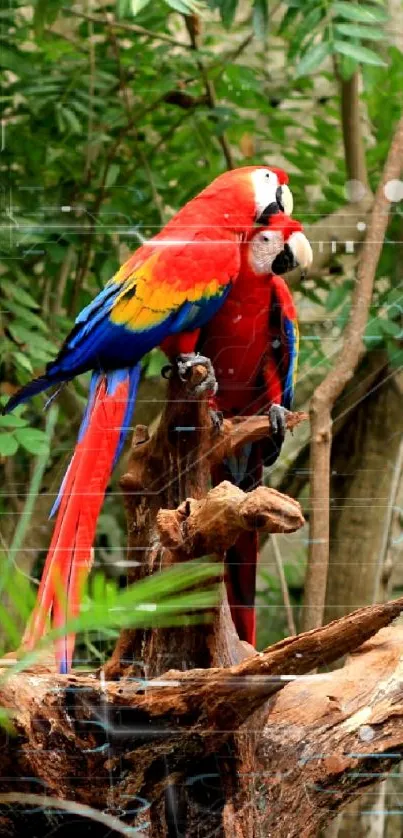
265 238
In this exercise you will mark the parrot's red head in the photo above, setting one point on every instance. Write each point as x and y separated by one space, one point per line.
280 247
251 194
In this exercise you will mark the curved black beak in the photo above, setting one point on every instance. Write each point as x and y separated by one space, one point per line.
284 261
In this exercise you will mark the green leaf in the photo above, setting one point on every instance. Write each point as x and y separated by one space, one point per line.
12 421
313 58
40 13
137 6
12 59
26 315
359 53
390 327
15 290
395 354
227 9
8 444
71 120
336 296
156 360
113 174
355 30
6 719
360 14
374 335
33 440
347 67
184 7
260 17
23 361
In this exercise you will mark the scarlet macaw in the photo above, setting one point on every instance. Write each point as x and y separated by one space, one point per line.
172 284
252 342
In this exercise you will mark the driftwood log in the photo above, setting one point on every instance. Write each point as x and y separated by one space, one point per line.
189 732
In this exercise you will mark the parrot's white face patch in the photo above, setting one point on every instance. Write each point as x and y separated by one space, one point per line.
263 249
265 184
268 191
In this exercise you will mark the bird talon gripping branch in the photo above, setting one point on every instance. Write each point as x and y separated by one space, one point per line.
278 420
186 362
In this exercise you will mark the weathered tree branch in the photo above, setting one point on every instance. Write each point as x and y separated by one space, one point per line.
174 710
212 525
345 731
94 727
329 389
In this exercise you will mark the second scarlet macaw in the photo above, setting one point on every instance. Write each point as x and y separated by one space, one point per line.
252 342
171 286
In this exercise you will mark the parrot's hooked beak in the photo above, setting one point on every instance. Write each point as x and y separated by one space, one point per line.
297 253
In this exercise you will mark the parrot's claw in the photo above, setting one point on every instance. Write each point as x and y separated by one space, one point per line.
184 364
217 420
278 420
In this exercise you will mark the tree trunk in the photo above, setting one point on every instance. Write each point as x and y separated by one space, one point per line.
363 474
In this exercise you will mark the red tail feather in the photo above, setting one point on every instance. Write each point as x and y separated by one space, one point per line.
242 557
70 554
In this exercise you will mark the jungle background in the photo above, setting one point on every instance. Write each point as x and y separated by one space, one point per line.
115 114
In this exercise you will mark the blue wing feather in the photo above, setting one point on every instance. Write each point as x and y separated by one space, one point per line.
291 342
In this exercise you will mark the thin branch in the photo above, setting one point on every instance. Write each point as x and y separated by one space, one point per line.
283 584
332 386
91 92
56 304
353 140
191 25
70 806
132 125
127 27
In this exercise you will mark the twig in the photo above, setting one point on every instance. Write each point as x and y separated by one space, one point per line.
76 44
329 389
132 124
72 807
283 584
57 301
354 149
128 27
91 91
209 88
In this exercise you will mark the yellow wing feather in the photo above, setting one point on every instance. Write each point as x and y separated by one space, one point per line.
146 300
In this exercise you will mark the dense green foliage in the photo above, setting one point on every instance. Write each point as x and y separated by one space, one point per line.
113 119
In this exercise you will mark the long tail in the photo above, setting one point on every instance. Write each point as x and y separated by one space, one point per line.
246 471
102 434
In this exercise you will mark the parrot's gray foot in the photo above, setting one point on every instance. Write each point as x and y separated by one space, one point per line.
184 364
217 420
278 421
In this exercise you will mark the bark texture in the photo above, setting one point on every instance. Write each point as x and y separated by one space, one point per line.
330 388
181 733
